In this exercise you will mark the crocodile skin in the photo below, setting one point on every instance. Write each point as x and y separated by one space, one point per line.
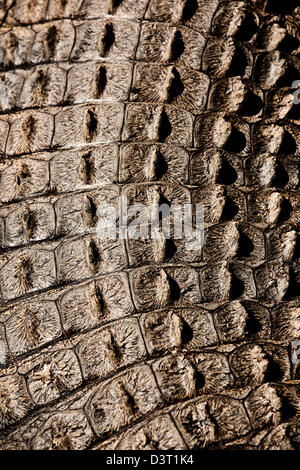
132 344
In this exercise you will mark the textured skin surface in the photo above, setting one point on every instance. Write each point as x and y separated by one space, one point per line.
135 345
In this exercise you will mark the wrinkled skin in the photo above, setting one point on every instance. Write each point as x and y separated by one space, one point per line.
144 344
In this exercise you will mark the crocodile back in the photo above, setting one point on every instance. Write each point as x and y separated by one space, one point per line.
125 342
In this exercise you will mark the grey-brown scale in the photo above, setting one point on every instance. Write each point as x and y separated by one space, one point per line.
132 344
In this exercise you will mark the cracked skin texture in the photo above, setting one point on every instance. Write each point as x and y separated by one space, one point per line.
145 345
